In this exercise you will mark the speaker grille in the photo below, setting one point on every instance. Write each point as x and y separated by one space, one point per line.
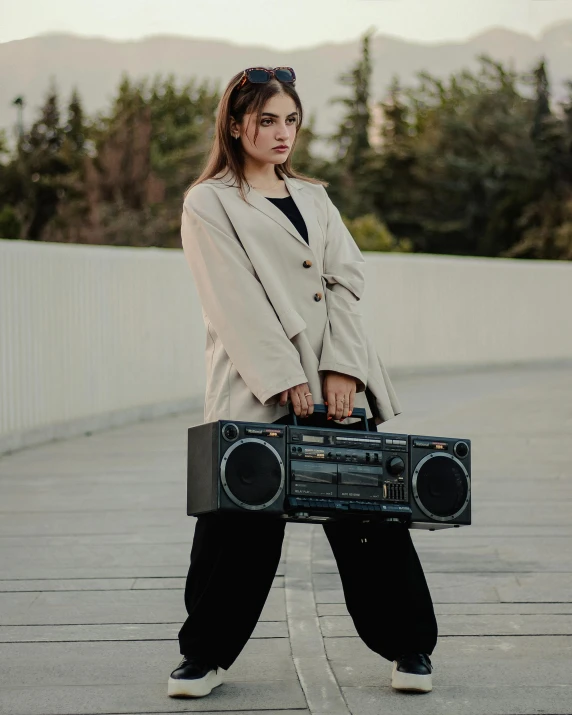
252 474
441 487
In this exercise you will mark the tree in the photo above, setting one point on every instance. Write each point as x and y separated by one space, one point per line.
70 221
546 221
392 175
39 169
353 150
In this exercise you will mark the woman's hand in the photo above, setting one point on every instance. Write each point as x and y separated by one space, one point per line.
303 404
339 391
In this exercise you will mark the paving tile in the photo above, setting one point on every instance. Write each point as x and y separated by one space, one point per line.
490 662
118 632
81 522
151 697
470 609
95 607
445 588
465 625
466 698
70 584
81 678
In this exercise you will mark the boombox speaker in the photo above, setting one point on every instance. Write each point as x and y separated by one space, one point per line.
236 466
439 482
315 473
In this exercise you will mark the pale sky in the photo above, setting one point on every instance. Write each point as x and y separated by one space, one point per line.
283 24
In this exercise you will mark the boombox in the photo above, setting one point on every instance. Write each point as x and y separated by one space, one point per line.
313 474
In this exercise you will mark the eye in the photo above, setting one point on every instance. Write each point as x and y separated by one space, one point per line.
291 120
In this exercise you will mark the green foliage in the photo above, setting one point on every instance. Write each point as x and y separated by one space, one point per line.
9 222
479 163
463 160
371 234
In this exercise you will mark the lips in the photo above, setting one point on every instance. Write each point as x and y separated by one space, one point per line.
281 146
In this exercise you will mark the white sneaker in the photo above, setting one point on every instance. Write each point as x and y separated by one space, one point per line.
193 679
412 673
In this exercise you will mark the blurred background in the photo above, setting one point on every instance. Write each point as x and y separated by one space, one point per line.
443 127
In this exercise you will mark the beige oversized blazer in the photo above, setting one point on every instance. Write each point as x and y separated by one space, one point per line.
278 312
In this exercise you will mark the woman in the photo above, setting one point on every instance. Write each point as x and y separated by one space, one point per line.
280 281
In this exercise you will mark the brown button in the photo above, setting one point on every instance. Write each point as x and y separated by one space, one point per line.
307 264
317 296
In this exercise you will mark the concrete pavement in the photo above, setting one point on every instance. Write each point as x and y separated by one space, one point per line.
94 547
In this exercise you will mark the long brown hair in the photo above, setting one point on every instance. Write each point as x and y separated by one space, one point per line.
226 153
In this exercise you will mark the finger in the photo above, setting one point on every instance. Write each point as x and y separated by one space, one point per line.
309 400
283 398
295 398
336 407
340 401
351 406
303 401
331 404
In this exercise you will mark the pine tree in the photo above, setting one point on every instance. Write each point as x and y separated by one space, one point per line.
353 150
75 129
41 167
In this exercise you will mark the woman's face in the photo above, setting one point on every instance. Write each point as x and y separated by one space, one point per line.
277 128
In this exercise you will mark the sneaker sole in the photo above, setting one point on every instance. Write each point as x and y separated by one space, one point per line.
410 682
177 688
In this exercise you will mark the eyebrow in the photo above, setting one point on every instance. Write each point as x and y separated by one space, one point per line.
269 114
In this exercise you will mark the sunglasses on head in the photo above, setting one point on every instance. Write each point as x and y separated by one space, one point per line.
259 75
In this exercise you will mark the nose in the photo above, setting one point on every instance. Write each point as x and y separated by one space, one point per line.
282 131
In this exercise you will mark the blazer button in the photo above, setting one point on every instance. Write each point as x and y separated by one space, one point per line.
307 264
317 296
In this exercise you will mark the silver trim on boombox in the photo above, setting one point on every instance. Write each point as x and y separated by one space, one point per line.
416 495
230 495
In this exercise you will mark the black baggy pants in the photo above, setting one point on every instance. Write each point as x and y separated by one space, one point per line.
234 559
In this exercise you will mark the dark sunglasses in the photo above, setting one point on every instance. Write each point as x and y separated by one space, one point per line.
259 75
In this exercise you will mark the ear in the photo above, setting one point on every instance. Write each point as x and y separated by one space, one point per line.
234 126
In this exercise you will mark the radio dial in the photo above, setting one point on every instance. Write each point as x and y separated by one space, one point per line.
461 449
395 466
230 432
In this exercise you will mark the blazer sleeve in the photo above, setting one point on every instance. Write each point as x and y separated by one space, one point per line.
344 346
234 299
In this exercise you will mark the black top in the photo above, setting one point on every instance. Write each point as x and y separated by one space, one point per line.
287 205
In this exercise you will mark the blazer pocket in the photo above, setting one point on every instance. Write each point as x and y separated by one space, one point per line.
348 303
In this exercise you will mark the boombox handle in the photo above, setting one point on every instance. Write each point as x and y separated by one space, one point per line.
358 412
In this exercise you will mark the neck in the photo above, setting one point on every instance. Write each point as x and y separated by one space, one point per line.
261 175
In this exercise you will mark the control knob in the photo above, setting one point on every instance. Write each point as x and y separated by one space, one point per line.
395 466
230 432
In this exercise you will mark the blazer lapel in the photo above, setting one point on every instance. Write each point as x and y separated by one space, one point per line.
260 202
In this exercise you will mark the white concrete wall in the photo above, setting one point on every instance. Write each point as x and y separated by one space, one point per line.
439 311
92 336
96 336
